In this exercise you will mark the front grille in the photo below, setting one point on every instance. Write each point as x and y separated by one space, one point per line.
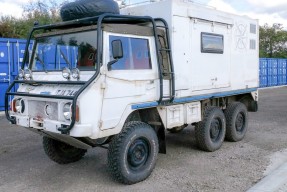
37 109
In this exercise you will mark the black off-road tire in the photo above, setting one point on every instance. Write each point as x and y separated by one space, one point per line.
236 121
132 154
60 152
87 8
210 132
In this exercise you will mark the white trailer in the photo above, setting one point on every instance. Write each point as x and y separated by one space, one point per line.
122 80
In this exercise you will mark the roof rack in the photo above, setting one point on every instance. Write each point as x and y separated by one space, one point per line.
152 1
138 3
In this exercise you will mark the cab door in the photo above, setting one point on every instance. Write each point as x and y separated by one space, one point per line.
131 79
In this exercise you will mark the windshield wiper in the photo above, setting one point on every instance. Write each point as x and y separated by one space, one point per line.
41 61
66 59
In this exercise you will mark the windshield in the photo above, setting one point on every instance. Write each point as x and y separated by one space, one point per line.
71 50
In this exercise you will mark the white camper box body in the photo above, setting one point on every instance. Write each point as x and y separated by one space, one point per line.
200 73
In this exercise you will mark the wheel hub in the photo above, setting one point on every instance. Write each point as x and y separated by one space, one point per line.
215 129
239 123
138 153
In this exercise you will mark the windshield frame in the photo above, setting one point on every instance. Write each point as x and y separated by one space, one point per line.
57 33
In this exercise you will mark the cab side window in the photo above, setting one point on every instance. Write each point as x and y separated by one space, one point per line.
136 54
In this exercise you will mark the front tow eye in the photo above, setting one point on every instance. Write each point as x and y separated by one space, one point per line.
64 129
13 120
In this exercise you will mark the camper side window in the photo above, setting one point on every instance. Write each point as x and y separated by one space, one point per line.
212 43
136 54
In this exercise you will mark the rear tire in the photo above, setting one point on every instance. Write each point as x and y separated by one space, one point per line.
236 121
210 132
60 152
132 154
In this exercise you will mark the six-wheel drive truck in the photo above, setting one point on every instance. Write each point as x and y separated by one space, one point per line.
119 81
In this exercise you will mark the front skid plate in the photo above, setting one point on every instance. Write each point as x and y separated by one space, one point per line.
63 138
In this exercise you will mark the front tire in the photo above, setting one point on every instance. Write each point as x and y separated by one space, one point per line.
132 154
236 121
210 132
60 152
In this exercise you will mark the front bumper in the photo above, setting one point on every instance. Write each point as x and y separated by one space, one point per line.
79 130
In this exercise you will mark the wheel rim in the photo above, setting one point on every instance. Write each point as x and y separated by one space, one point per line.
215 129
240 122
138 153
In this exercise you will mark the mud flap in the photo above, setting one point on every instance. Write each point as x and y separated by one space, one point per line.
161 140
253 107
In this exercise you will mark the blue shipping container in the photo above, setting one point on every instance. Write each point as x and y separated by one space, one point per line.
276 72
272 66
282 66
263 72
282 79
263 81
11 57
6 67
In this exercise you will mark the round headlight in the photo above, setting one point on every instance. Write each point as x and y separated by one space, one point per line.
28 74
66 73
20 106
76 73
67 111
49 110
21 74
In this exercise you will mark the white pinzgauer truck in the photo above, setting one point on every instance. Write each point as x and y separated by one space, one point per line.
119 81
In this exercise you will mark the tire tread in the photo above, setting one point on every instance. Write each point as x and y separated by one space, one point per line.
51 151
229 124
114 151
201 131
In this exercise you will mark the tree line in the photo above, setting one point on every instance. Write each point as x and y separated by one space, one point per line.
42 11
273 39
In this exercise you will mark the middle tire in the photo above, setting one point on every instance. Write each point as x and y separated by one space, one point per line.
210 132
132 154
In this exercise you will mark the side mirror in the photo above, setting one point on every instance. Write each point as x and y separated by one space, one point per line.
117 51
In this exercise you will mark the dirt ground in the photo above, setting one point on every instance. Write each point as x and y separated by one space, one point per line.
235 167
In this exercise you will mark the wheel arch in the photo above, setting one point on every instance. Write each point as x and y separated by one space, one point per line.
150 116
250 101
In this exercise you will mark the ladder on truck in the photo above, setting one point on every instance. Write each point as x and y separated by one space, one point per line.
165 61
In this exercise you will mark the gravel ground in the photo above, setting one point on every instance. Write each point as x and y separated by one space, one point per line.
283 188
235 167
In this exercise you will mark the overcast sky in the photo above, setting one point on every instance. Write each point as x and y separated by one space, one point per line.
267 11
